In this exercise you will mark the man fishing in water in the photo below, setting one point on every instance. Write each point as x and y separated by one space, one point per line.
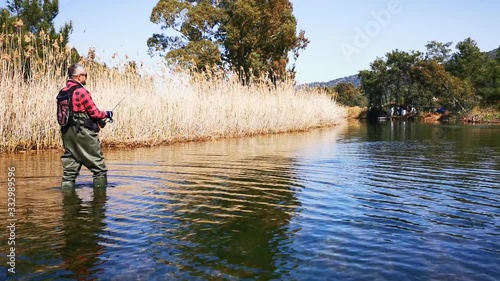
80 121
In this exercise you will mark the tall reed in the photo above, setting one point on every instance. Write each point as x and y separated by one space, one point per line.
163 108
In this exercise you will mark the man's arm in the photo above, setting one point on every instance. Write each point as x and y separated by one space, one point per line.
90 107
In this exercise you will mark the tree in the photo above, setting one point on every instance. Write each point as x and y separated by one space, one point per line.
374 83
349 95
489 88
468 62
476 67
252 38
437 87
489 82
459 81
438 51
406 78
399 64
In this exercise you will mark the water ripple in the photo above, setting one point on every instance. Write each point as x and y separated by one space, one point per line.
362 205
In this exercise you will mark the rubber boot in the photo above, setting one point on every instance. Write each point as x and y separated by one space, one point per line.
101 181
67 185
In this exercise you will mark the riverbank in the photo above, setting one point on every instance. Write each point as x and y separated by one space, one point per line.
482 115
478 115
488 115
162 110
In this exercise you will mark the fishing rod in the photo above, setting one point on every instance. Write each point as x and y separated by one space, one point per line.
110 118
117 104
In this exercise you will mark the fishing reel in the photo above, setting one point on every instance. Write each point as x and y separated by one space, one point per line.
101 123
108 119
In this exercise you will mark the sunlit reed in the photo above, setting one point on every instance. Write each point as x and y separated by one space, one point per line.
159 109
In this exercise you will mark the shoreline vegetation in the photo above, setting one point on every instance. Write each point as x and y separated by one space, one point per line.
157 111
478 115
163 108
440 84
154 110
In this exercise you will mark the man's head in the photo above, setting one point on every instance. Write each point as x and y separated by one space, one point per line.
78 73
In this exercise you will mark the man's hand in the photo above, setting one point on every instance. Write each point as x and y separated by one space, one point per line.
101 122
109 114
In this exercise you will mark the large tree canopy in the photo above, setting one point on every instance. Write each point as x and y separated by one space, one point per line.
251 37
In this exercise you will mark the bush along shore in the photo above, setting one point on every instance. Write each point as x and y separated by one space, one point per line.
154 109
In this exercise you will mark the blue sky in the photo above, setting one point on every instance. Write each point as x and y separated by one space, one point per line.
345 35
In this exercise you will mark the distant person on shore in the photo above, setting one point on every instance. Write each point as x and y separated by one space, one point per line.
413 110
441 110
80 121
390 111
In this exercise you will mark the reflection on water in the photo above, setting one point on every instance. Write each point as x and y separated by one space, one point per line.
387 201
82 232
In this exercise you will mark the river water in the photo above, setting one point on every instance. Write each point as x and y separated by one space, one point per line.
384 201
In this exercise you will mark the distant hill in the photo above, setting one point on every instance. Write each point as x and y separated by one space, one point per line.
356 81
348 79
493 52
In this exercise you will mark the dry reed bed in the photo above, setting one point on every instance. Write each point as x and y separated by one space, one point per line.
169 112
155 110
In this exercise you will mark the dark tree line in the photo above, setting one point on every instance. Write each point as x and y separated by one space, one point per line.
438 77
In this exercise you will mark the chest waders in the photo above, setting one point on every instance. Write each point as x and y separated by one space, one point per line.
82 147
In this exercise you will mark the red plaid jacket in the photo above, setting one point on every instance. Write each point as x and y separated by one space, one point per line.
82 102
